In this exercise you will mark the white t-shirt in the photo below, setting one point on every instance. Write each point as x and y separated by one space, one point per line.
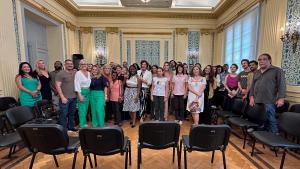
159 86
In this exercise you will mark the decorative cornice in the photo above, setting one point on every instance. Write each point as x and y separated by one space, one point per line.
147 33
182 31
221 28
206 31
86 29
70 26
112 30
94 12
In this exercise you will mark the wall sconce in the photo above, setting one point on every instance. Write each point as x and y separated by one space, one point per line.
292 36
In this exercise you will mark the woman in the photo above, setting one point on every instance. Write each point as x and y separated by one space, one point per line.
179 91
131 94
82 83
44 78
231 86
168 74
185 69
29 85
159 94
98 87
154 70
106 72
196 86
211 85
116 93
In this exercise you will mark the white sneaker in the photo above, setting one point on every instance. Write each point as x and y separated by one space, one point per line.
180 122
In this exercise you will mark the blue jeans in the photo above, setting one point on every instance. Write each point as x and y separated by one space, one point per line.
271 118
67 113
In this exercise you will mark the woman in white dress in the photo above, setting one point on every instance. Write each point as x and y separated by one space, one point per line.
196 86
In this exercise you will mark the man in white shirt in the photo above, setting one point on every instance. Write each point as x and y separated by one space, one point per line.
146 77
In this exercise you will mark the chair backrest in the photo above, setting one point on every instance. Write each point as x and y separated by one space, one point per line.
283 108
44 138
159 134
44 109
18 116
209 137
256 114
7 102
289 122
102 141
295 108
239 106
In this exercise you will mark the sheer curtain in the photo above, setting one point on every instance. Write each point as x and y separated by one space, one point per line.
241 38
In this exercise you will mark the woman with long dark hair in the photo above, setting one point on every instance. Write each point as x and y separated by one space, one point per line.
29 85
211 85
131 94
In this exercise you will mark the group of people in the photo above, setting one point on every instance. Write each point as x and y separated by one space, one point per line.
150 90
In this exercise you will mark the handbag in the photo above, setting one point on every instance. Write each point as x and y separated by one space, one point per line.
194 106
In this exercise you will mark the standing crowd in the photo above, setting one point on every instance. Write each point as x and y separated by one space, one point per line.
149 91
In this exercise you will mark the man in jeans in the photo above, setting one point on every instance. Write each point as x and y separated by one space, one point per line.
268 88
64 81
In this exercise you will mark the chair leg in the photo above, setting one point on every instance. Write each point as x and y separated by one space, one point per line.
32 160
185 162
126 159
14 150
275 151
90 160
138 157
245 138
74 159
95 159
253 147
178 157
55 160
129 145
10 151
224 160
212 156
84 162
282 159
173 153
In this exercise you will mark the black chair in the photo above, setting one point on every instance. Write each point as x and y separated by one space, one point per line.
238 108
44 109
206 138
9 139
254 118
289 123
295 108
49 139
158 135
5 104
104 141
20 115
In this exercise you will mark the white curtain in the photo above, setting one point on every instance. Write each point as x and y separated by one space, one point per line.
241 38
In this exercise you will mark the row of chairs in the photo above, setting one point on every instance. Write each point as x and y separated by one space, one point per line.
251 121
111 140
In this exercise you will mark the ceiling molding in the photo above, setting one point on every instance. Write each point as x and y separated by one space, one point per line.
147 33
112 30
86 29
113 12
70 26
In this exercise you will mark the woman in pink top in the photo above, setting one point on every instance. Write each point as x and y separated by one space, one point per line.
179 92
231 86
116 97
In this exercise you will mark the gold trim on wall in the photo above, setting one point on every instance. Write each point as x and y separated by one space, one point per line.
147 33
206 31
112 30
86 29
70 26
182 31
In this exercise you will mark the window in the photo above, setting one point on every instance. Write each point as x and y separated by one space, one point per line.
241 38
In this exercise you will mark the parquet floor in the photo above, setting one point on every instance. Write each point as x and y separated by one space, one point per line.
236 157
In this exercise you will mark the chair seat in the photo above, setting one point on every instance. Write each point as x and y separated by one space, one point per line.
226 114
9 139
241 122
73 145
273 140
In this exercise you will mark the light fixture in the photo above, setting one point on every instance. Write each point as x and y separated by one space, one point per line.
292 36
145 1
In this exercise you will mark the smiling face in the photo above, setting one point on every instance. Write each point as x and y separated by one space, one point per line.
83 65
196 71
233 68
41 64
245 64
132 70
95 71
154 70
69 65
166 67
26 68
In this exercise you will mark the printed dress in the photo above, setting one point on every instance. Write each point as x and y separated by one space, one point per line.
196 85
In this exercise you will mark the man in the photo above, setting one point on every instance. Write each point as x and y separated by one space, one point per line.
243 79
253 65
57 68
64 81
268 88
146 78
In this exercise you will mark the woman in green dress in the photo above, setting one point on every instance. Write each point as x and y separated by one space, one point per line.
29 85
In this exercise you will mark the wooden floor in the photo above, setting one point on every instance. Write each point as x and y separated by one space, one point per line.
236 157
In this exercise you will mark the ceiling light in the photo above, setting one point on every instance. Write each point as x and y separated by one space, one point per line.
145 1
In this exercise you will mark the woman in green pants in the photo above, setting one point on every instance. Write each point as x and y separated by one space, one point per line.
82 83
98 97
